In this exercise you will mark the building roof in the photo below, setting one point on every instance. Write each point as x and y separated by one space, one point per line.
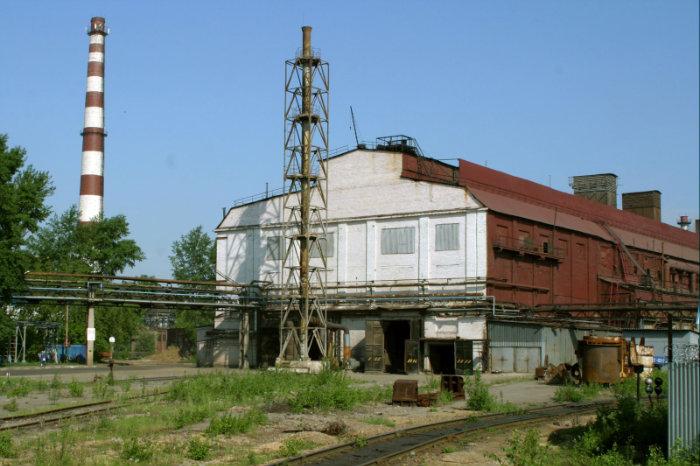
512 195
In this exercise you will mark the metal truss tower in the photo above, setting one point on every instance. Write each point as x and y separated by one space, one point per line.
303 314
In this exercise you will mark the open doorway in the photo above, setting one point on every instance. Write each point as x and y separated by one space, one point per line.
442 357
396 332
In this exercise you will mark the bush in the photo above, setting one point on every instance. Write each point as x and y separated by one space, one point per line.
145 342
190 415
524 449
198 450
137 450
380 421
229 424
75 389
7 449
294 446
11 405
576 393
478 396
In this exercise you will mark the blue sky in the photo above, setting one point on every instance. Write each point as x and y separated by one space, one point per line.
194 94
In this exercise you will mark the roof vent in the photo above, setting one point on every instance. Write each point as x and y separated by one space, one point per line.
644 203
600 188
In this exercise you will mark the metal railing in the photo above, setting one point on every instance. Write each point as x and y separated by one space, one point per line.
528 246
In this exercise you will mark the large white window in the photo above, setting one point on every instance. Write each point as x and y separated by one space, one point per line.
447 237
399 240
327 245
274 248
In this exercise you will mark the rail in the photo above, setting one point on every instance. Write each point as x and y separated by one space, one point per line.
383 447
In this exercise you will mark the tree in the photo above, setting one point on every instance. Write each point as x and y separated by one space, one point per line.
99 247
194 256
22 196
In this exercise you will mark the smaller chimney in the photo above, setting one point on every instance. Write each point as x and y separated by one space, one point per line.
599 188
644 203
683 222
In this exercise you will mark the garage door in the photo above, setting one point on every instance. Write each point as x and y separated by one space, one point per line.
526 360
501 359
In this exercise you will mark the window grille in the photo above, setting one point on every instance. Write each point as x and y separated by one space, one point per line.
398 240
327 244
447 237
274 249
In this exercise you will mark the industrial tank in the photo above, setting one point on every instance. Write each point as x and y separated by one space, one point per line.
602 359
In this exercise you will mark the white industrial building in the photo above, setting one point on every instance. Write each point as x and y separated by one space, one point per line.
383 230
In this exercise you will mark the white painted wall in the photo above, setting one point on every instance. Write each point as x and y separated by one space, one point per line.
452 327
366 194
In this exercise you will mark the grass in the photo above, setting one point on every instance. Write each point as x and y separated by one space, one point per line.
576 393
198 450
230 424
380 421
76 389
7 448
137 450
479 398
10 406
326 391
294 446
147 432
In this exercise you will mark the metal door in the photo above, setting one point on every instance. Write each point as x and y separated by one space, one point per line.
411 356
526 360
374 346
464 357
502 359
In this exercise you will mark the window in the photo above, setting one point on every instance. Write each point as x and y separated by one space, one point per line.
274 249
447 237
398 240
325 244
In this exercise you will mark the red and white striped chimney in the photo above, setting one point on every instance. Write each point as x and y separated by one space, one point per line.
92 169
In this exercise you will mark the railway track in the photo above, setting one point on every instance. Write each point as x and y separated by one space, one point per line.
388 446
52 416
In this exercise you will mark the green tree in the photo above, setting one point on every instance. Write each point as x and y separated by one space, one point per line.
22 196
194 258
23 193
101 247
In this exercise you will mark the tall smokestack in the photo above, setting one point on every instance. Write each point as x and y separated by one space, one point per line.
92 168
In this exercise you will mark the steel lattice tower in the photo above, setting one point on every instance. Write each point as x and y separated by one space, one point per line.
303 315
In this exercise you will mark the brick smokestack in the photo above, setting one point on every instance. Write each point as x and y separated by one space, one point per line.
92 168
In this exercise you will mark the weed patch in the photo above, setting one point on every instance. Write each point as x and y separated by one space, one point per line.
230 424
380 421
137 450
76 389
10 406
198 450
7 449
294 446
575 393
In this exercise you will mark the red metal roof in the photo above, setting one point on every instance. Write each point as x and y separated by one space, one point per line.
472 176
519 197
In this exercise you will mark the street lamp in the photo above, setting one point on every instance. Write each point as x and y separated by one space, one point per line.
111 358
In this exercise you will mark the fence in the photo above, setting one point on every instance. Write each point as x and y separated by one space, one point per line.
684 405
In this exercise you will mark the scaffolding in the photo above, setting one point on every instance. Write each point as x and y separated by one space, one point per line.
303 316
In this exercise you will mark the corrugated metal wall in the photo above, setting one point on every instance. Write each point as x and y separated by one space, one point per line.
556 345
684 404
507 334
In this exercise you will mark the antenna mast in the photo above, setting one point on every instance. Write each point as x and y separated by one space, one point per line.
354 126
